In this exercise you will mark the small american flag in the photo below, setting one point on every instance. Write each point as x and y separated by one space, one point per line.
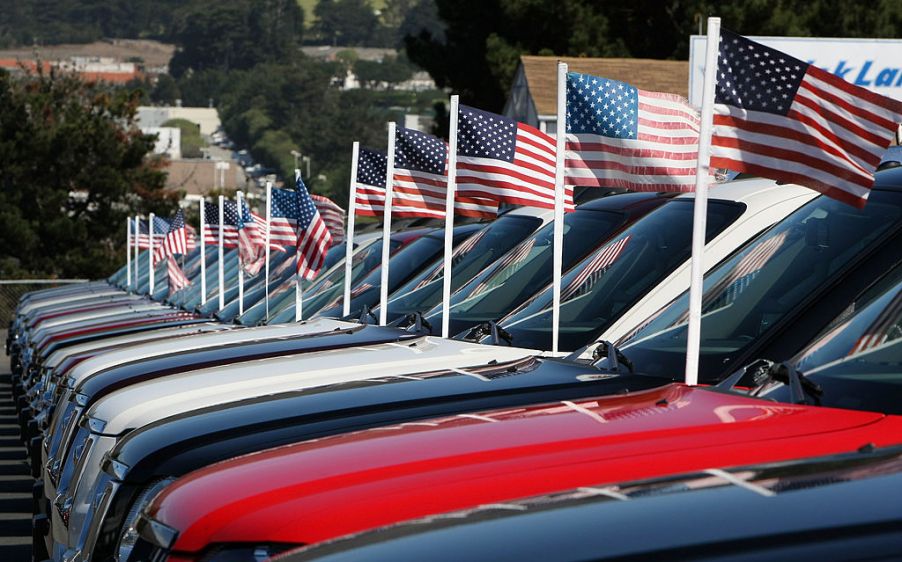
333 215
160 228
283 222
620 136
499 158
211 223
420 180
592 270
230 224
880 330
177 278
176 240
314 238
251 246
778 117
372 167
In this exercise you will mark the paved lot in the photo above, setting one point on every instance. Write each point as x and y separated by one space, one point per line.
15 480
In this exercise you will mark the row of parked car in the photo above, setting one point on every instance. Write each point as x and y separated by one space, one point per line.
163 427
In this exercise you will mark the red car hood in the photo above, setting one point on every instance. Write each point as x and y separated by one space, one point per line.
325 488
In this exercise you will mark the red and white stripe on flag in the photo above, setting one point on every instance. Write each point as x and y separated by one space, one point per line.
420 180
369 200
499 158
882 328
778 117
333 215
620 136
177 278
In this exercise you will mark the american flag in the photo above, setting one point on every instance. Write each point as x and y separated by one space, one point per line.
592 270
251 246
211 224
176 238
620 136
333 215
778 117
177 278
283 218
372 167
420 180
313 239
502 159
230 224
191 237
160 228
884 324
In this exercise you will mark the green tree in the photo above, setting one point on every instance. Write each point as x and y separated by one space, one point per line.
166 90
235 35
346 22
191 140
73 165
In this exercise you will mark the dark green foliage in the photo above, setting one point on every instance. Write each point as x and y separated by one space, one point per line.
72 167
346 22
477 54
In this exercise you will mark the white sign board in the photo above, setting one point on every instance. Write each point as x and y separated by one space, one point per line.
875 64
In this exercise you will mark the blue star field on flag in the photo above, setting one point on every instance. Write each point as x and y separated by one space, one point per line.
418 151
486 135
601 106
372 166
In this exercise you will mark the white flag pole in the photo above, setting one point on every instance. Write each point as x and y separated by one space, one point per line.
203 255
693 336
150 254
558 240
221 252
386 226
449 218
266 265
128 253
239 198
137 251
349 243
298 289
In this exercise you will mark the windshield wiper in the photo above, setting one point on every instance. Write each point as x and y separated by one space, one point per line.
492 329
764 371
613 358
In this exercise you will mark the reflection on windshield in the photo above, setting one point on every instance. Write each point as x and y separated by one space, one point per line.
756 288
596 291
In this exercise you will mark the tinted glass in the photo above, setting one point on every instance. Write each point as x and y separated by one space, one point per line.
527 268
608 281
469 258
763 282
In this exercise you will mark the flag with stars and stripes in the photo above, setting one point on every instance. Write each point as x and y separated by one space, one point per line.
420 180
502 159
593 269
177 278
251 245
191 238
778 117
369 193
175 241
332 214
283 217
160 228
620 136
229 224
211 226
313 238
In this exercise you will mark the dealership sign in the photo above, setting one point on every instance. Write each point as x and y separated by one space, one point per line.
875 64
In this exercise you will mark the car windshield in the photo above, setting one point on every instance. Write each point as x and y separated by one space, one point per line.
469 258
858 361
527 268
756 287
608 281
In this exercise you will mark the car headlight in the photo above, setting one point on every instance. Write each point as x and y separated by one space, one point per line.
129 535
